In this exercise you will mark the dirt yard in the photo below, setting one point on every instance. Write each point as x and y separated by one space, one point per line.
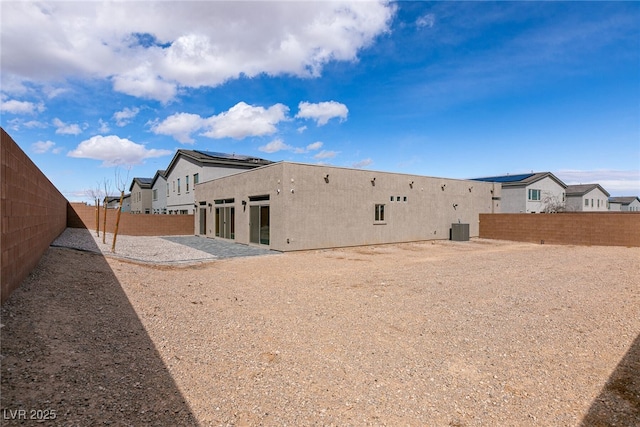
478 333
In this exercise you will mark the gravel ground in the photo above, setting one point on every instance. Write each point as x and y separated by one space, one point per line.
139 248
435 333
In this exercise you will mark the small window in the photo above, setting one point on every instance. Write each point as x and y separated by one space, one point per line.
586 202
178 185
397 198
174 186
186 180
259 198
404 199
196 178
155 194
534 194
591 202
391 199
167 190
379 213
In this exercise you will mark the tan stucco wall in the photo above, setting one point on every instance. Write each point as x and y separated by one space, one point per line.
340 212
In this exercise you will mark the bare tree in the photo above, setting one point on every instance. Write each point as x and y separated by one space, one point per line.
121 185
553 204
96 195
105 204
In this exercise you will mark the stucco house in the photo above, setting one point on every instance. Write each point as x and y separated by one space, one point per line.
292 206
159 193
627 203
190 167
140 190
587 198
114 201
530 192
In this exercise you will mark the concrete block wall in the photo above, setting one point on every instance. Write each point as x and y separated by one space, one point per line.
34 213
577 228
83 216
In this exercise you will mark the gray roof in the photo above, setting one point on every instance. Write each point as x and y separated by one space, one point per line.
624 200
159 173
142 182
582 189
521 180
210 158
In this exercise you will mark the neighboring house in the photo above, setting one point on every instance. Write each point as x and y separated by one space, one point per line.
291 206
190 167
530 192
159 193
614 205
114 201
587 198
627 204
140 190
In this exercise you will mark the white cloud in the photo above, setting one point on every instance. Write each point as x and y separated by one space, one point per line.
427 20
324 154
322 112
301 129
244 120
362 163
115 151
63 128
171 45
616 182
104 126
41 147
180 126
34 124
314 146
21 107
125 116
275 146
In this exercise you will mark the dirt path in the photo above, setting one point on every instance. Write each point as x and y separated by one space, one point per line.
442 333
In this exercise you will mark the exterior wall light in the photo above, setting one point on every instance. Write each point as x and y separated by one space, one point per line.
411 184
373 181
443 186
326 178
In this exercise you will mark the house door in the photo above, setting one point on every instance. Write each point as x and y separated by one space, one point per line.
225 222
259 224
203 221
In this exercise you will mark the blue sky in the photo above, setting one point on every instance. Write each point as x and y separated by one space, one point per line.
448 89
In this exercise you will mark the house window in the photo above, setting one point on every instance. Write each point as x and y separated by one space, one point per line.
405 199
196 178
591 202
598 202
155 194
586 203
392 198
534 194
178 185
186 180
379 213
174 186
167 189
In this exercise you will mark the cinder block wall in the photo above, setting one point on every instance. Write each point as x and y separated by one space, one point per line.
579 228
83 216
34 213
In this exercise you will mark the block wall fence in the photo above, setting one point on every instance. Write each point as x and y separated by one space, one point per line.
575 228
81 215
34 213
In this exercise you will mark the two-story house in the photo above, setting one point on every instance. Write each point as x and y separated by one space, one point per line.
530 192
159 193
587 198
190 167
140 190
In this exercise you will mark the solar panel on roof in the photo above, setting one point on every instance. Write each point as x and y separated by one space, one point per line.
223 155
506 178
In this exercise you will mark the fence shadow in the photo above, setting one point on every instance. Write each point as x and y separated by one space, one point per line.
74 350
618 403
